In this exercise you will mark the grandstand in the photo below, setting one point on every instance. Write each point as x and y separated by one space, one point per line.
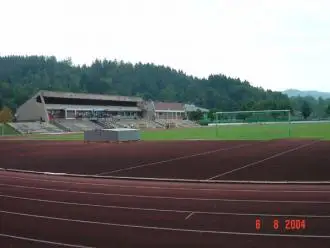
106 123
175 114
77 111
185 123
50 111
76 125
35 127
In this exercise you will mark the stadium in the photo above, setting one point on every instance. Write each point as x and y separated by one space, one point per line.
54 112
266 181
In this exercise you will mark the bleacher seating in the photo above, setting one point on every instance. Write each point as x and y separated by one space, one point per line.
177 123
188 123
78 125
126 123
106 123
35 127
162 122
153 124
158 124
142 123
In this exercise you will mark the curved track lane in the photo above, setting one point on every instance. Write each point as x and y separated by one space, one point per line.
57 211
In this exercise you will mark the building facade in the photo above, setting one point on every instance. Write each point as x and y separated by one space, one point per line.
47 105
169 111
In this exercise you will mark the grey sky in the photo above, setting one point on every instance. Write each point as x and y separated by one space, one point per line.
276 44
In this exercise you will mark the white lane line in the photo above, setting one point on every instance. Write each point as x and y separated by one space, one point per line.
174 159
164 228
174 180
95 205
164 210
43 241
263 160
165 197
167 188
189 215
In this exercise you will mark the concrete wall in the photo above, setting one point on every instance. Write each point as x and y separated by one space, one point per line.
31 111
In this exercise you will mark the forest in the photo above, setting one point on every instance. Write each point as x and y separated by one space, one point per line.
23 76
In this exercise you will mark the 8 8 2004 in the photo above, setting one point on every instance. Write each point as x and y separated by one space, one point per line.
284 225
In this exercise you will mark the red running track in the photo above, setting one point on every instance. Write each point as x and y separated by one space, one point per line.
279 160
57 211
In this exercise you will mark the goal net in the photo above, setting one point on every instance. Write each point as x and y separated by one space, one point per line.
259 124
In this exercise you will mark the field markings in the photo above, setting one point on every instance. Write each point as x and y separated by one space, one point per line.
189 212
167 188
118 225
169 180
52 150
263 160
43 241
167 197
189 215
175 159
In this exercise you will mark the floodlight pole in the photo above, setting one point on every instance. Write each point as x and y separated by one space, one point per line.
289 117
216 125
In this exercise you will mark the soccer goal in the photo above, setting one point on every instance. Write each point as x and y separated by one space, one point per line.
258 124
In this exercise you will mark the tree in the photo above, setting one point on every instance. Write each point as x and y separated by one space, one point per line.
21 77
6 115
243 116
327 110
211 115
306 110
195 115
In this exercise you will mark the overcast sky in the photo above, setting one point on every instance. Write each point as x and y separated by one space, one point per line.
276 44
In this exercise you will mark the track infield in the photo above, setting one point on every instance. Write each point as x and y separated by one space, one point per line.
277 160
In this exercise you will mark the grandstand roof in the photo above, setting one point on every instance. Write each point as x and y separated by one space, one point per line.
175 106
88 107
46 93
192 107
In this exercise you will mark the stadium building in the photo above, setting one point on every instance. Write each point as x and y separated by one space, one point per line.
169 111
48 105
50 111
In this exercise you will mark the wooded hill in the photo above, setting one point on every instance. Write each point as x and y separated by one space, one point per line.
307 93
21 77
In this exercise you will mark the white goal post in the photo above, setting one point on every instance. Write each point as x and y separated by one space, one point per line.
269 111
269 116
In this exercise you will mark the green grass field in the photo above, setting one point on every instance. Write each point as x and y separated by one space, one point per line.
234 132
7 130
